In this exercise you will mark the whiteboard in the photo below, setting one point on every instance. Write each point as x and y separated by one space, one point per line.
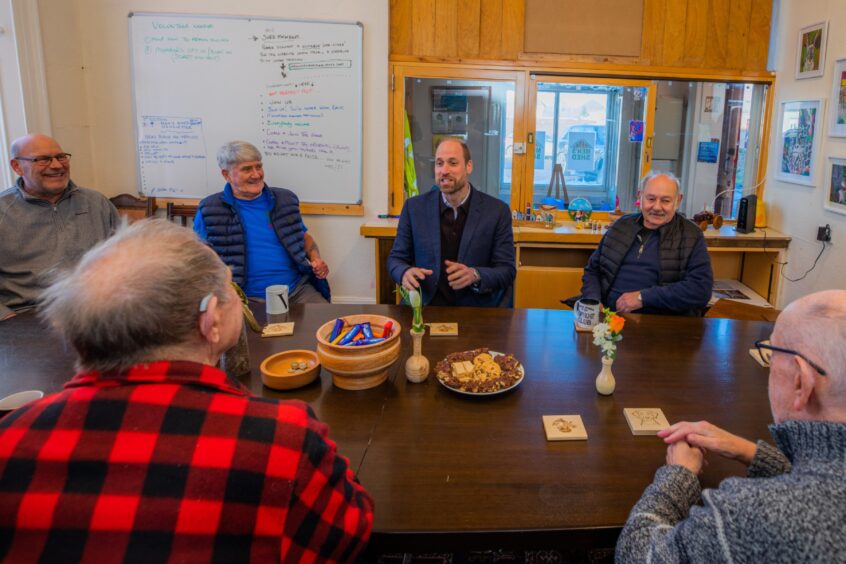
292 88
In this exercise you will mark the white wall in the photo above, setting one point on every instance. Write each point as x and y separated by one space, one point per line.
86 51
794 209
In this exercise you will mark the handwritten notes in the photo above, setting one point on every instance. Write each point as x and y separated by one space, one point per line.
292 88
170 148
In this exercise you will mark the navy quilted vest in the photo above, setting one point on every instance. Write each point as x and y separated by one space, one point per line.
226 234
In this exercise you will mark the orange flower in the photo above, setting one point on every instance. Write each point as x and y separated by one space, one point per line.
616 324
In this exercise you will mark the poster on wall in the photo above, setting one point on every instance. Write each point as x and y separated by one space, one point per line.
810 57
835 195
799 141
837 122
580 150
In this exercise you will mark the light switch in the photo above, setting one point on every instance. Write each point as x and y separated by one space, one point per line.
519 148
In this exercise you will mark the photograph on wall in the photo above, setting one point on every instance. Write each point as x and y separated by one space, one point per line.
799 141
835 197
811 50
837 125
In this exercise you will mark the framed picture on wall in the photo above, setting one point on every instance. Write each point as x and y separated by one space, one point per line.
810 56
798 142
835 194
837 122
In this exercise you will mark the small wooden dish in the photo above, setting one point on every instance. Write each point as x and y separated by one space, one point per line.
276 370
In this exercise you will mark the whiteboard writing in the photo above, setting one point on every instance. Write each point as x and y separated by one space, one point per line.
291 88
170 148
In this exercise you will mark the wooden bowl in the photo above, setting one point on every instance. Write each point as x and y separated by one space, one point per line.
361 367
276 370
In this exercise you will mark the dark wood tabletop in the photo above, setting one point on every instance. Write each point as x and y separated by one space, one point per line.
464 470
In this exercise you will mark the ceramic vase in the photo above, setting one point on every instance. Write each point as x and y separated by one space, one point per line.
417 365
605 381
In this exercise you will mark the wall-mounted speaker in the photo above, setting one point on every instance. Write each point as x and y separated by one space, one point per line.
746 214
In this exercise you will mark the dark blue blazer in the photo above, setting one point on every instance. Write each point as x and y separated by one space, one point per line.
487 245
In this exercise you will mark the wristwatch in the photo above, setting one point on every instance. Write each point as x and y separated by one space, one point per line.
478 276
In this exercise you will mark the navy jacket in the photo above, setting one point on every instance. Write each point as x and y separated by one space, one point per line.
219 223
487 245
686 278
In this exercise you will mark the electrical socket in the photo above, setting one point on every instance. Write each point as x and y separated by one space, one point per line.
824 233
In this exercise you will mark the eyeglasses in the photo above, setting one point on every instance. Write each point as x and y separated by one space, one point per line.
765 349
46 160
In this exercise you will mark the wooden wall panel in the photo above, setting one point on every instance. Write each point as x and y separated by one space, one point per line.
446 28
423 27
400 26
513 16
652 42
674 33
691 35
696 33
716 39
738 33
759 34
490 29
470 12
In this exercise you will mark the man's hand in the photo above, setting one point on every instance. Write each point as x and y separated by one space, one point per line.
628 302
321 270
711 438
412 276
459 275
686 455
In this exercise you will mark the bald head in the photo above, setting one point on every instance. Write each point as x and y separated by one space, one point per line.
815 325
44 180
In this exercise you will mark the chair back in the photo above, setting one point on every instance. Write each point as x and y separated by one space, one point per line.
133 207
182 212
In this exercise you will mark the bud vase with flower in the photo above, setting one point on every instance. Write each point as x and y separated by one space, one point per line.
417 365
606 335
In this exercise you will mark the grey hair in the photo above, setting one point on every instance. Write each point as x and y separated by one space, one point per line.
236 152
655 173
815 325
135 294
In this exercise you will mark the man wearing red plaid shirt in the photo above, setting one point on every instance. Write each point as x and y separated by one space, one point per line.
152 454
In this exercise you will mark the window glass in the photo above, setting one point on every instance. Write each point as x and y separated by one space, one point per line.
709 135
479 112
588 142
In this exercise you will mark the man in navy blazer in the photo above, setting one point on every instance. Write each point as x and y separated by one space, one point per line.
455 244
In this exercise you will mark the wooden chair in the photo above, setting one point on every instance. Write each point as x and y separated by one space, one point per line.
183 212
133 207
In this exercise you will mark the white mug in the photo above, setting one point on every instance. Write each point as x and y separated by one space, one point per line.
587 313
276 299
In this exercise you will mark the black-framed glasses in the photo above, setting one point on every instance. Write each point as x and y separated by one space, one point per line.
765 349
45 160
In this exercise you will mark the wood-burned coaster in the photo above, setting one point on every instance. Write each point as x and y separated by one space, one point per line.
443 329
564 428
645 420
278 329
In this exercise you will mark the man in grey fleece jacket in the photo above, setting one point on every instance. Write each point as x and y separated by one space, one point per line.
46 221
791 507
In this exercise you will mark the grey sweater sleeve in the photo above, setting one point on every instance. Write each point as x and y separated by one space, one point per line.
768 462
662 527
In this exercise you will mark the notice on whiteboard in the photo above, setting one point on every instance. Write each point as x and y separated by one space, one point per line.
171 148
291 88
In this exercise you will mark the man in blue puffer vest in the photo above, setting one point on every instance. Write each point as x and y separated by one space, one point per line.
258 231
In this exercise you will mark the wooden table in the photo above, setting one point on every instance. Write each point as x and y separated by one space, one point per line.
452 472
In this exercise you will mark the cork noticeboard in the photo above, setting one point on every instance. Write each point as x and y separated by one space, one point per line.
584 27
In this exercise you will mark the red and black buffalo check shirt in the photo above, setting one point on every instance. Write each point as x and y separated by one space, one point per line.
171 461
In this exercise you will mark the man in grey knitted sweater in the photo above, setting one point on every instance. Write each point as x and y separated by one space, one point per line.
791 507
